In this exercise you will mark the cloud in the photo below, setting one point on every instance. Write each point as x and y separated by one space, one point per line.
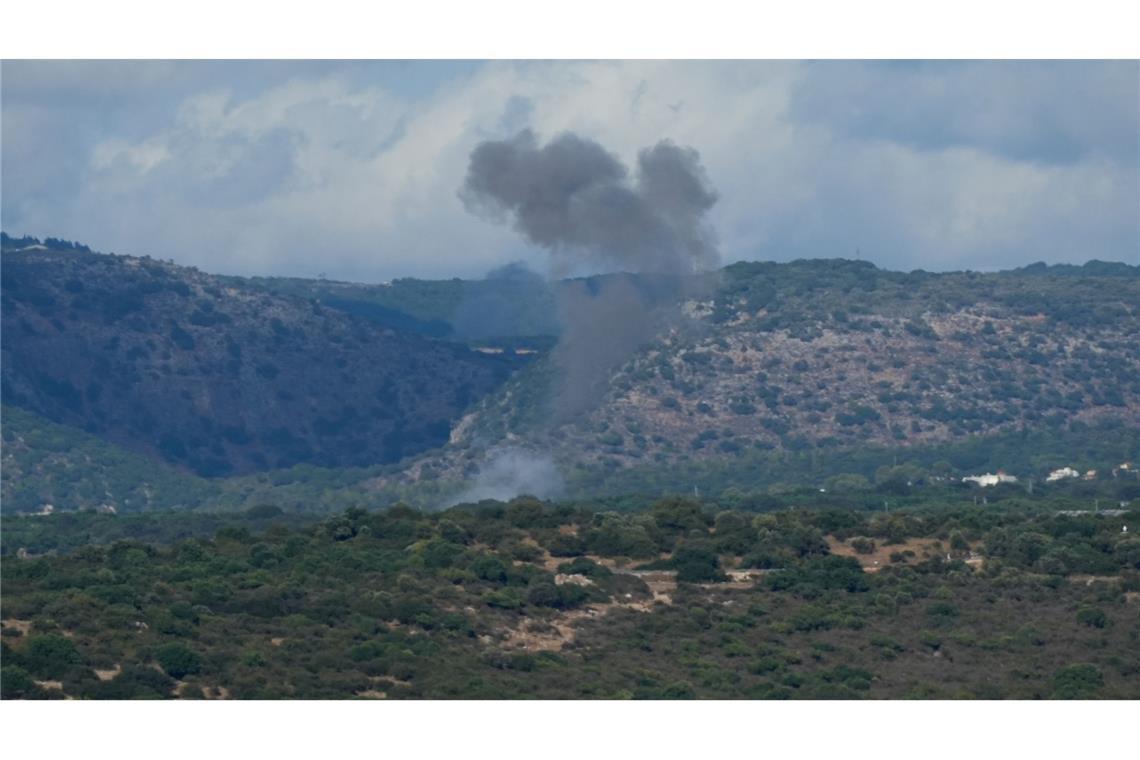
351 168
1036 111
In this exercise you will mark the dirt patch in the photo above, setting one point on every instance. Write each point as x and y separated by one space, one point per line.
107 675
737 579
371 694
662 583
53 685
552 634
562 579
215 692
277 641
923 548
23 626
546 635
1089 580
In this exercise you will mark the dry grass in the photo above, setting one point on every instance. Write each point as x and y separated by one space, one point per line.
23 626
107 675
923 548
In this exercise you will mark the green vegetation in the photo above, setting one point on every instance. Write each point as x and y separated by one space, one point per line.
526 599
45 463
220 378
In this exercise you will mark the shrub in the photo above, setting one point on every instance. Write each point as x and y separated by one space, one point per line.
1092 617
1081 681
178 661
17 683
489 569
50 655
678 690
504 599
696 565
584 566
543 594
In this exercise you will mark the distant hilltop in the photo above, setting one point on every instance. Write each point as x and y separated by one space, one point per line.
28 243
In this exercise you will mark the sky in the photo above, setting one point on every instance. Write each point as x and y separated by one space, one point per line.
352 170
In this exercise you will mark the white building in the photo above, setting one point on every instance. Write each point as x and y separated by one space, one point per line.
990 479
1062 474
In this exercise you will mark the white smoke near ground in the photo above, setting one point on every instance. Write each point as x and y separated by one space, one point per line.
579 203
511 472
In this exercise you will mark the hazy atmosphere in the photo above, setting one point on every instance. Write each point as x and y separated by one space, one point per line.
617 380
353 169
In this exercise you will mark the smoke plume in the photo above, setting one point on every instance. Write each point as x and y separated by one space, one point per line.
513 472
577 201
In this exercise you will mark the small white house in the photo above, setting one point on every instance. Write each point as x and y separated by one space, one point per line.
990 479
1062 474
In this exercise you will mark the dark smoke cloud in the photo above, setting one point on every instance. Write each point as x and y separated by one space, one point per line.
578 201
574 198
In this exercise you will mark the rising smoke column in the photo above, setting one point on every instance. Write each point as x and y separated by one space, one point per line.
576 200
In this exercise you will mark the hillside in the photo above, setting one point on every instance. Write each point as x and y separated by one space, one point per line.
786 375
219 378
512 303
48 465
823 355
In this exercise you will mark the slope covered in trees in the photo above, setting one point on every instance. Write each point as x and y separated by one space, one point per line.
525 599
780 376
217 378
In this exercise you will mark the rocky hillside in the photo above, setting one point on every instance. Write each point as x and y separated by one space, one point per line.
814 355
216 376
782 362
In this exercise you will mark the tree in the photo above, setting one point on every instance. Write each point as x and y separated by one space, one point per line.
1092 617
524 512
1128 552
17 683
677 515
958 541
50 655
1077 682
696 565
543 594
489 568
178 661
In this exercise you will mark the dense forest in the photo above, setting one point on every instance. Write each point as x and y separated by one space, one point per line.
529 599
